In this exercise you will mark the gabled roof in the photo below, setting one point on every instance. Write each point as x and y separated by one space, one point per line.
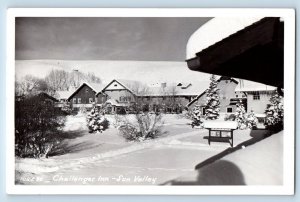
135 87
94 86
196 98
206 86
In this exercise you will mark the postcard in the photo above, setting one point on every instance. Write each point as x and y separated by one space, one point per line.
150 101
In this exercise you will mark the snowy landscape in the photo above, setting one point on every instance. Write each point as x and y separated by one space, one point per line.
106 158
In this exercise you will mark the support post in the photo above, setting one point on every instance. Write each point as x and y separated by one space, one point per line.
209 131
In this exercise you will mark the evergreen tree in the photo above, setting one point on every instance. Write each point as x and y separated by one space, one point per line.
252 120
241 116
212 106
197 117
274 113
96 121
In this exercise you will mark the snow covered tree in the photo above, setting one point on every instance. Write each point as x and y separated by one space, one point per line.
96 121
274 113
212 105
252 120
197 117
240 115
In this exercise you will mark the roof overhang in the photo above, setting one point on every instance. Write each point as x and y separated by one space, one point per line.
254 53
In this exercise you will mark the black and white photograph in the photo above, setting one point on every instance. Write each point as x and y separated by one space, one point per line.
133 100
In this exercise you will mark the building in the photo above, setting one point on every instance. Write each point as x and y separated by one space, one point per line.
122 94
173 97
258 96
85 96
226 86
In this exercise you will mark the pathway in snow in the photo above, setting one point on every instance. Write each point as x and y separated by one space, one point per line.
109 156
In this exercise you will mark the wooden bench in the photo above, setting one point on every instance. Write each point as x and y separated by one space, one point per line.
221 126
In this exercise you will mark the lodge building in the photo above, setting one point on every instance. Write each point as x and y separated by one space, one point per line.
119 95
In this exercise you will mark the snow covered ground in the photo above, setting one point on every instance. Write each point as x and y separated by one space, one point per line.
106 158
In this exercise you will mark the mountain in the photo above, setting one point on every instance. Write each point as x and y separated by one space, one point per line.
146 71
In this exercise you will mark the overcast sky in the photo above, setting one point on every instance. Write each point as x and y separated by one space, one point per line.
143 39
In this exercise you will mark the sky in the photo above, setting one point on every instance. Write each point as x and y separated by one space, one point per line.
138 39
151 50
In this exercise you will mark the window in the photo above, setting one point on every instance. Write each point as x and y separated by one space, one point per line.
87 90
90 100
236 95
79 100
256 96
115 85
229 110
203 110
74 100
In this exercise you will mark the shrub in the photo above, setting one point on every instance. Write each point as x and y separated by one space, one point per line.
144 126
37 125
96 121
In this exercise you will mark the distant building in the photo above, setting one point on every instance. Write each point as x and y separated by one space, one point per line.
121 94
226 86
85 96
258 95
254 96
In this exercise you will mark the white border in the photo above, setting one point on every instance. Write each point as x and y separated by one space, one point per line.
288 15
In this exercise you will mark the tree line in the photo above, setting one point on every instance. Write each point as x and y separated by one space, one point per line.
55 80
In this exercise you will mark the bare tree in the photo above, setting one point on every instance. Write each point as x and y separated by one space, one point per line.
169 93
60 80
91 77
57 80
30 85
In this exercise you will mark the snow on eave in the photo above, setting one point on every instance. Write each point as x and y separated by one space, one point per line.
214 31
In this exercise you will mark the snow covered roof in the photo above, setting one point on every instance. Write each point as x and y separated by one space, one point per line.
214 31
250 86
193 89
136 87
94 86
